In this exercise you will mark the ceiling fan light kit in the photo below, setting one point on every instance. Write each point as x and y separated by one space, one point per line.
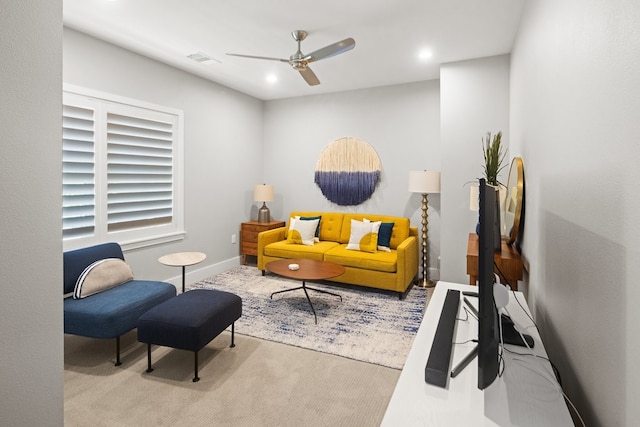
300 61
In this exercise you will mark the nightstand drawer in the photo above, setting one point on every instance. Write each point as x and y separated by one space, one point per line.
249 235
250 228
249 248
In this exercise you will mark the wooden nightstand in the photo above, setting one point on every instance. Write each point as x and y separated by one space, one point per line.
508 260
249 236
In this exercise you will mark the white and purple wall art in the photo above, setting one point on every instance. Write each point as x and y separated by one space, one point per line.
348 171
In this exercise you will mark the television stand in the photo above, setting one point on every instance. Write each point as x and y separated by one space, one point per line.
511 336
520 397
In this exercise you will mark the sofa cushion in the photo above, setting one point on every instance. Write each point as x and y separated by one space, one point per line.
102 275
364 236
76 261
384 236
379 261
284 249
302 232
330 224
316 237
399 232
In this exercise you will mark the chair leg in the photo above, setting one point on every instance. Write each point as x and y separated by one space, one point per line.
233 334
149 368
118 363
195 358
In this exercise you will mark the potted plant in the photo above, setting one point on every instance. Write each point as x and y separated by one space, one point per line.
493 158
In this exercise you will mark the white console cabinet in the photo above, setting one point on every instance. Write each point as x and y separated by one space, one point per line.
526 394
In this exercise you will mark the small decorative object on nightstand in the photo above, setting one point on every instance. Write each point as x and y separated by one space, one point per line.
249 236
263 193
424 182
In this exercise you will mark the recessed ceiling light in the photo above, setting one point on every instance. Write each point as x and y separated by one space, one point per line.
425 54
271 78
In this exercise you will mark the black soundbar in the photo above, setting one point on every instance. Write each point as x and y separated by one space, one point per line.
439 363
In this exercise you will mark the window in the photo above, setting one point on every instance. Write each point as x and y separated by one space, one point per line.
122 172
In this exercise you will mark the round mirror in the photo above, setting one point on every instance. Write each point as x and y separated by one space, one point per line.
513 200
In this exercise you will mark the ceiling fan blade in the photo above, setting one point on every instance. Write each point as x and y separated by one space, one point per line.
331 50
309 76
258 57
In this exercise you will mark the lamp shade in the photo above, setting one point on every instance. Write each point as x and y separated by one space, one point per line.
424 182
263 193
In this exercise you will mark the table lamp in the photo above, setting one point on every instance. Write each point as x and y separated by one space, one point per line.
263 193
424 182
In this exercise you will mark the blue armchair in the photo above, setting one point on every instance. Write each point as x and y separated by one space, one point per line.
111 312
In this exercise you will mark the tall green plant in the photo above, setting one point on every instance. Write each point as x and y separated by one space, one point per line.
493 157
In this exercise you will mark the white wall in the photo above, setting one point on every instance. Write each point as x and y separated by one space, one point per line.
575 102
401 122
223 147
474 101
31 359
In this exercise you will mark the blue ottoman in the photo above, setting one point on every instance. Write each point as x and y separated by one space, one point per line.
189 321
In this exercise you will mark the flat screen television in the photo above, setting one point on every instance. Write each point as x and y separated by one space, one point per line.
488 317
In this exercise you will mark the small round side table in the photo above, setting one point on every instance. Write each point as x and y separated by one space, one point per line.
182 259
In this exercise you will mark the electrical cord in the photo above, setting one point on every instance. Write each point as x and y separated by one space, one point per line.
556 372
466 317
469 314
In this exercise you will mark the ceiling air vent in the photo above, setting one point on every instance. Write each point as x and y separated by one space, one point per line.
202 58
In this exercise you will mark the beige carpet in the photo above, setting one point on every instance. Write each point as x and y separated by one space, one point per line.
257 383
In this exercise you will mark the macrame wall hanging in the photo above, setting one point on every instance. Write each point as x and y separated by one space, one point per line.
348 171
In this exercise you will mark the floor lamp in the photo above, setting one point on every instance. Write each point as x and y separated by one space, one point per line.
424 182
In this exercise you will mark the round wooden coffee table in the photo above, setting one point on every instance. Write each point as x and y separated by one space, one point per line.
309 270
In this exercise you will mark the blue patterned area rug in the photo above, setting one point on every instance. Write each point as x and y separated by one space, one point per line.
368 325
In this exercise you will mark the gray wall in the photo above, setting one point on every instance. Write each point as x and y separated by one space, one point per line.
474 101
222 147
575 97
31 360
401 122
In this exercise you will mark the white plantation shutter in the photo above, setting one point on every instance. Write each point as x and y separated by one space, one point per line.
139 172
122 175
78 182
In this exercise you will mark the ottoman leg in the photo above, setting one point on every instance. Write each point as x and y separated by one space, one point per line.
149 368
118 362
233 333
195 358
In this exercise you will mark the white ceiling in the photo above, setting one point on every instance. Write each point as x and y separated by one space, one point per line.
389 36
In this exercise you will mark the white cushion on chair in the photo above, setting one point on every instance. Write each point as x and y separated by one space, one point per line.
102 275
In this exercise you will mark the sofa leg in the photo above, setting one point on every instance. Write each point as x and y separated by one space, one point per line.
264 272
118 362
401 295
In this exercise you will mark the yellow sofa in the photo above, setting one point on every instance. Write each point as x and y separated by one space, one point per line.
394 270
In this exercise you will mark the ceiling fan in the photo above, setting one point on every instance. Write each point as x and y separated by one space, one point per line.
300 61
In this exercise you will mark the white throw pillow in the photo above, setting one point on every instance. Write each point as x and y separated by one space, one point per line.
102 275
302 231
363 237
